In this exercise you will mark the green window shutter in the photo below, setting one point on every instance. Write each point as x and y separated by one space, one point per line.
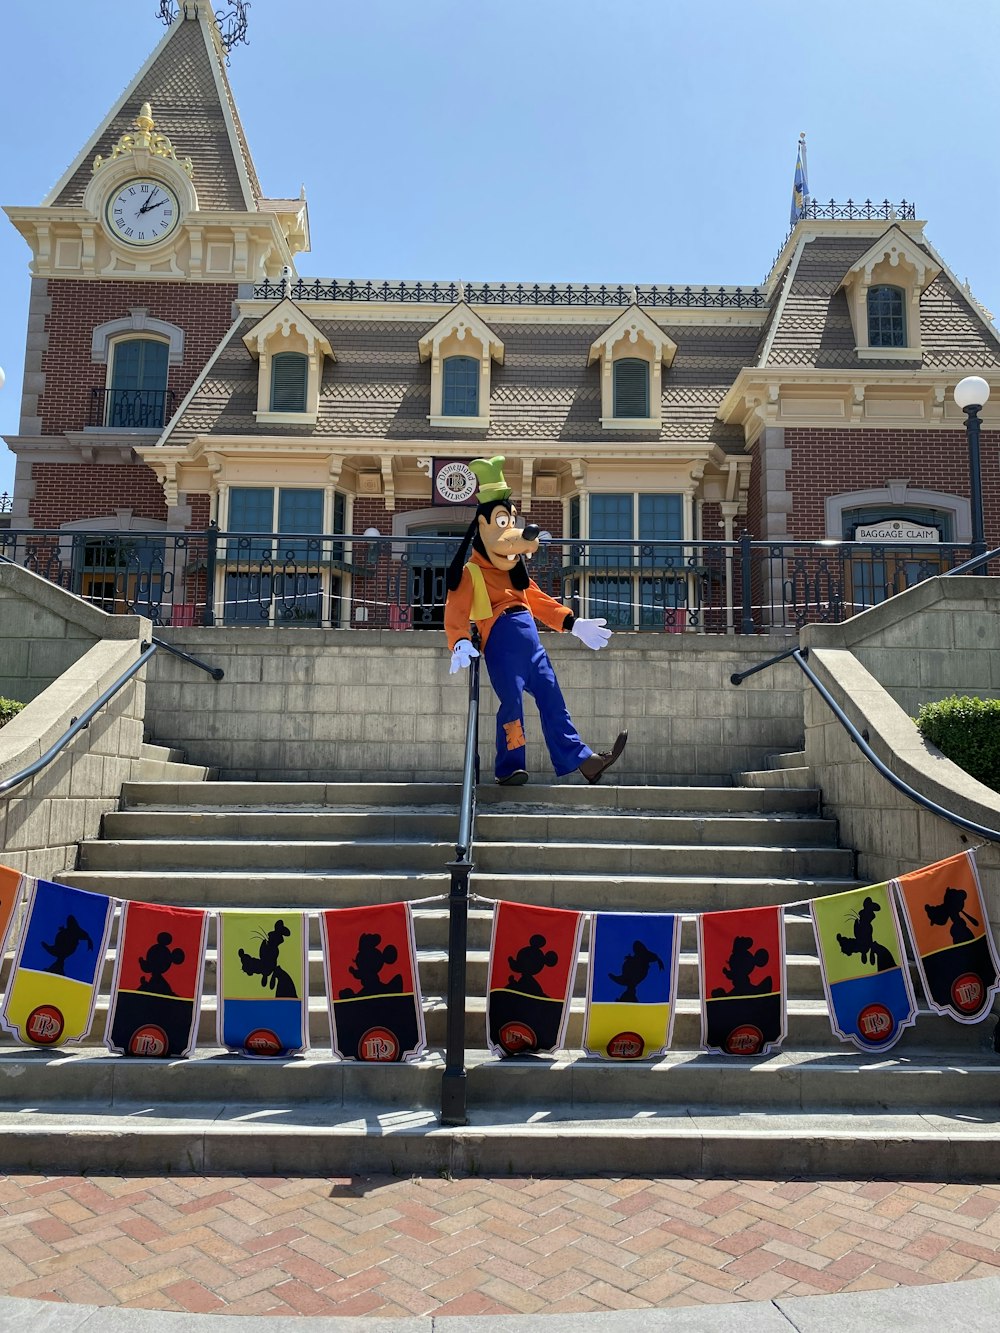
631 388
289 372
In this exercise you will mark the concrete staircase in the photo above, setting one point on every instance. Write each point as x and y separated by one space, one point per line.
929 1106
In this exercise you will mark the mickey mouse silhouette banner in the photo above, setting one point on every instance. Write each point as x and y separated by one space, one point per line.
631 984
952 942
863 964
53 983
533 954
156 988
742 964
263 995
372 983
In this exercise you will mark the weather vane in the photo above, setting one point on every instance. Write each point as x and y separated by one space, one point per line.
232 20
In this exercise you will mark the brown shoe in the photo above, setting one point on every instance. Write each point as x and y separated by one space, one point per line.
593 767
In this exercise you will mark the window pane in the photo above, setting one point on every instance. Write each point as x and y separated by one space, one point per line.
611 518
631 388
251 509
886 321
612 599
289 371
300 511
460 393
138 384
661 518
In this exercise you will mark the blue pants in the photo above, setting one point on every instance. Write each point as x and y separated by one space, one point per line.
516 661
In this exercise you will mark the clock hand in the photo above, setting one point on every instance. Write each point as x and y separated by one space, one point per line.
146 206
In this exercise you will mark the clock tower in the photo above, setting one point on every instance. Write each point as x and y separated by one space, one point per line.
137 254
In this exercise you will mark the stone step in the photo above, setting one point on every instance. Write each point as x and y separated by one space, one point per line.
610 858
439 824
165 770
149 750
778 779
790 759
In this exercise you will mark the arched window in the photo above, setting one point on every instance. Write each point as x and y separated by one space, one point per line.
631 387
460 391
137 397
886 318
289 374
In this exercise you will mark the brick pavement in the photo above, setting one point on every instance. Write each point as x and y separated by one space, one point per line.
395 1247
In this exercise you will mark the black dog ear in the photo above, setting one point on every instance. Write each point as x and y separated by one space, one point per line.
519 576
454 575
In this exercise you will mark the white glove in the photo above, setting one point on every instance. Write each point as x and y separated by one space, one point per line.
461 655
592 632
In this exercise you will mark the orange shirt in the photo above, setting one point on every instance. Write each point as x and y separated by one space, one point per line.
458 608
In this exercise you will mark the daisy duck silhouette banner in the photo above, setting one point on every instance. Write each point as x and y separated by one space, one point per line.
631 984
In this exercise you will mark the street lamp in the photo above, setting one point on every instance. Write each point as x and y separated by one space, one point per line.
971 394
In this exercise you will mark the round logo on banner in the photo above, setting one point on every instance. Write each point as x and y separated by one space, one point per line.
517 1036
967 992
876 1023
380 1045
456 483
745 1040
626 1046
45 1024
148 1040
262 1041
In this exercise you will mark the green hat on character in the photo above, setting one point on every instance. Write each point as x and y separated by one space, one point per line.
489 473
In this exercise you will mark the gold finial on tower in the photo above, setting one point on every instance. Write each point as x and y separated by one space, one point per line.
157 145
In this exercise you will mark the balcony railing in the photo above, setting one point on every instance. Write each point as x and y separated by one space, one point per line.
130 409
6 502
340 580
512 294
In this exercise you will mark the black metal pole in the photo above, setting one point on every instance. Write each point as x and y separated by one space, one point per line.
745 581
212 552
972 424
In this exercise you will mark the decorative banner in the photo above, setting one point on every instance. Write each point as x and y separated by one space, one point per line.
533 956
263 992
864 969
156 990
372 986
952 941
631 984
742 962
53 982
12 882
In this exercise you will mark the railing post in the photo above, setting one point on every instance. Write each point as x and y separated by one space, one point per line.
212 553
746 624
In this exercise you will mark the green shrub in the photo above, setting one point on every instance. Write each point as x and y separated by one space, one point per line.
967 731
9 708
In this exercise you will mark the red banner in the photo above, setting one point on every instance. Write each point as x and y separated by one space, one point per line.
533 957
742 964
156 991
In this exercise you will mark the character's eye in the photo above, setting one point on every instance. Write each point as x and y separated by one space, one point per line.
502 520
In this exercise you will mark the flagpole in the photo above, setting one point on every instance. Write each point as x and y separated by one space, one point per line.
805 168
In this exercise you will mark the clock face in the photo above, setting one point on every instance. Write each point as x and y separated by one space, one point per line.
142 212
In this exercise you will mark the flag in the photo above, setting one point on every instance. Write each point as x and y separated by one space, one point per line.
372 984
952 941
631 984
865 976
741 956
12 885
800 186
57 968
263 990
533 956
156 989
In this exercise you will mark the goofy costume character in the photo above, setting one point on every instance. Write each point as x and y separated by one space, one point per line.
494 592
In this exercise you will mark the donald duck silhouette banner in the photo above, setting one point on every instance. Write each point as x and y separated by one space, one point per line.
57 967
372 984
952 942
742 964
864 968
631 984
263 997
156 988
533 956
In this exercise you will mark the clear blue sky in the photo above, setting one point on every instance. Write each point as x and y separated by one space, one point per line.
562 140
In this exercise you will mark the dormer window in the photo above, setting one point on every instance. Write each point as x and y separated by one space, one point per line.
632 353
290 351
461 348
886 317
289 379
631 378
460 387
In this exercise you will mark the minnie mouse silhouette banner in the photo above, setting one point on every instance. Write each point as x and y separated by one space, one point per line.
954 948
156 988
57 968
741 957
533 956
263 992
631 984
863 964
372 983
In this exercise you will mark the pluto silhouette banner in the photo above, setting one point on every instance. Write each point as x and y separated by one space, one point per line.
863 966
263 996
533 956
631 984
57 967
741 959
12 885
156 989
952 941
371 983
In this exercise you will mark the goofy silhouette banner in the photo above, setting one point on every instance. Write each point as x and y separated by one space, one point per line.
156 988
631 984
741 958
533 956
57 968
864 968
952 941
263 996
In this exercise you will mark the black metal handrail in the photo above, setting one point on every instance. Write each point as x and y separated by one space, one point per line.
453 1081
798 656
216 673
968 566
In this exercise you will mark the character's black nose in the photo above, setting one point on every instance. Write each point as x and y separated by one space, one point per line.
530 532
